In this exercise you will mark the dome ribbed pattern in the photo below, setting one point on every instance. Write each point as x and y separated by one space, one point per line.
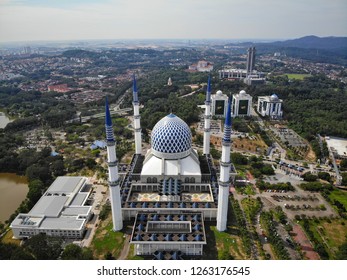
171 135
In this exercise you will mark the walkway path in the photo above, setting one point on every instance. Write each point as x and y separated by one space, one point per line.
125 251
305 243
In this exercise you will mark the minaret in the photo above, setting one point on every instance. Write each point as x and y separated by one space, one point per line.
224 181
113 178
207 117
137 126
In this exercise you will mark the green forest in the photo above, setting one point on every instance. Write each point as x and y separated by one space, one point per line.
315 105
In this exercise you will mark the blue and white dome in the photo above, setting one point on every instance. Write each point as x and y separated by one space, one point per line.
171 138
274 97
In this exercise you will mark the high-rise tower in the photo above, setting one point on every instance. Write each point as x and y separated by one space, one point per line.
224 179
113 178
137 126
250 60
207 117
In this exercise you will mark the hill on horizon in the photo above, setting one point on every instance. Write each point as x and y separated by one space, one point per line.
314 42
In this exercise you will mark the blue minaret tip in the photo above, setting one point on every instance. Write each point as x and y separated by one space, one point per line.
227 124
108 120
108 123
228 116
208 91
135 97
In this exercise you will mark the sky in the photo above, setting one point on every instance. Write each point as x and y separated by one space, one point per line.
32 20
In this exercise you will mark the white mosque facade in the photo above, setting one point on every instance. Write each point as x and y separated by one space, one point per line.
171 191
167 194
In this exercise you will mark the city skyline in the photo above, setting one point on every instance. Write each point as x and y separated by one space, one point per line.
38 20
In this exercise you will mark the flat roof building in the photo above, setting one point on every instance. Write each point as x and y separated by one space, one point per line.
338 146
61 211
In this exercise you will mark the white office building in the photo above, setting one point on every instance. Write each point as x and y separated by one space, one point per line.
241 105
219 104
61 211
270 106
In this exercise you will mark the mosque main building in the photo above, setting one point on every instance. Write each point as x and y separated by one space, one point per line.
171 190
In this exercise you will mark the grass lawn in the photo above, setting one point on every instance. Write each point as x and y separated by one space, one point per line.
335 233
229 242
296 76
330 233
106 240
340 196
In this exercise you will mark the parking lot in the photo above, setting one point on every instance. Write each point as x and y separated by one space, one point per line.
296 202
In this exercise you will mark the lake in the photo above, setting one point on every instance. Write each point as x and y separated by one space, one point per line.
13 189
4 120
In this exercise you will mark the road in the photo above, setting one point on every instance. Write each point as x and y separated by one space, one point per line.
99 199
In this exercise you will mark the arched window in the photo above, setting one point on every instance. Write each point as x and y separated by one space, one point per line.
186 180
192 180
154 180
149 180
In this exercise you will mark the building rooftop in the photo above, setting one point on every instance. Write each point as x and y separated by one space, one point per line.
165 228
66 184
337 145
60 208
49 206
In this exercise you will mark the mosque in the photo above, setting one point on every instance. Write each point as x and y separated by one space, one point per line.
170 191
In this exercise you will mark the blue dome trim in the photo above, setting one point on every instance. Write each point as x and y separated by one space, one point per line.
171 135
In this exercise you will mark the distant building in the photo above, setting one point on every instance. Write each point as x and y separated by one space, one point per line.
61 211
232 74
219 104
241 105
255 79
337 146
169 82
248 75
201 66
98 145
270 106
62 88
250 60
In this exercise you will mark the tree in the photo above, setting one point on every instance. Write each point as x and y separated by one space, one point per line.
324 176
343 164
44 247
109 256
344 178
309 177
238 158
342 252
36 188
57 167
90 163
75 252
38 171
